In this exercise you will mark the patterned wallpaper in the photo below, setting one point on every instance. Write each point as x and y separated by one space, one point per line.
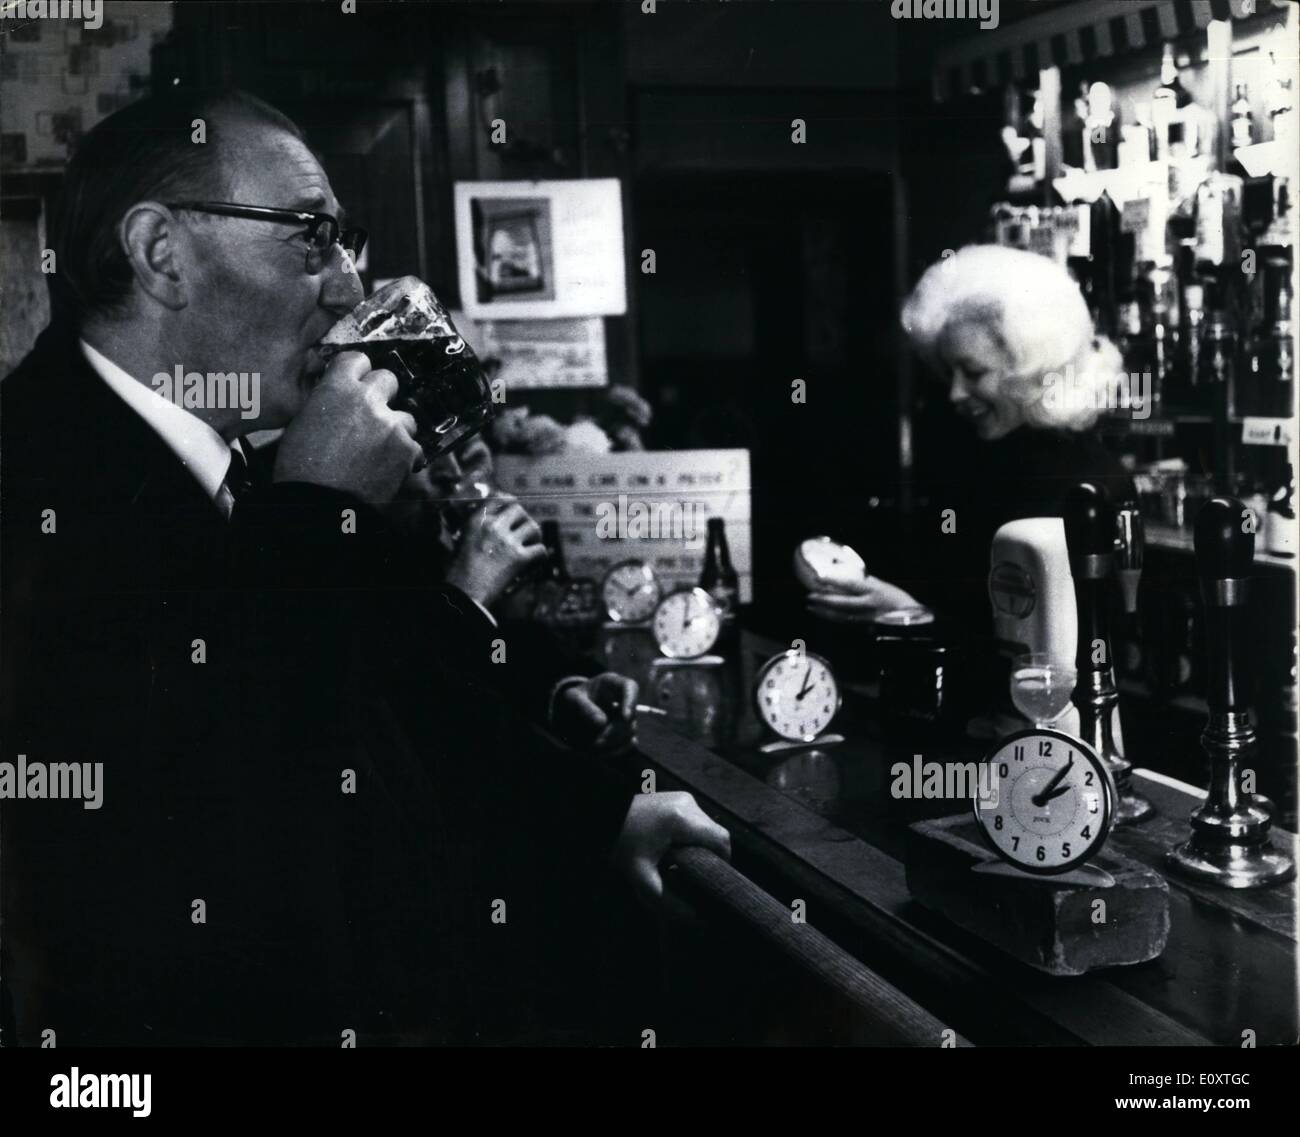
58 78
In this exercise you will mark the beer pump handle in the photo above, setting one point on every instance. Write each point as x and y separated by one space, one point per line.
1089 521
1225 554
1230 845
1130 548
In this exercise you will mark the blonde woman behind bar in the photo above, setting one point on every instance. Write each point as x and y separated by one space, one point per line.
1009 339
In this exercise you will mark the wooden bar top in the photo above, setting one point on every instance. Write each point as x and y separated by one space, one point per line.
822 825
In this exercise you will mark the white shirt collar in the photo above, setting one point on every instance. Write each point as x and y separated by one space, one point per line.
200 449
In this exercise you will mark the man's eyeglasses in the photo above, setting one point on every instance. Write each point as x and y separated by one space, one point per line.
322 231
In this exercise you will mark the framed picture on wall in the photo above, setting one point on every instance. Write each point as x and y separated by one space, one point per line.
540 250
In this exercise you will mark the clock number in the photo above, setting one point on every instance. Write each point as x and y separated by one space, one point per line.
1065 849
1020 753
1041 854
1002 770
1087 833
1087 777
997 823
1044 747
1092 803
1015 843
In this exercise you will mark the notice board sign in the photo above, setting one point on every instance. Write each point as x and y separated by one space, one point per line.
650 504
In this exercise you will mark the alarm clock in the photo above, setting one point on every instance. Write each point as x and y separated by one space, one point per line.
796 695
1053 804
686 623
630 592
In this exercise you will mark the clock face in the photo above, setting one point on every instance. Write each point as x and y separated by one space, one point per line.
630 592
686 623
797 695
1051 804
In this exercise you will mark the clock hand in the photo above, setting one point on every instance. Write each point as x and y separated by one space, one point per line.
1065 789
1045 794
804 688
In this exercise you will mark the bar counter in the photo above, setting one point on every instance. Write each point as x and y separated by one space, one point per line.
821 825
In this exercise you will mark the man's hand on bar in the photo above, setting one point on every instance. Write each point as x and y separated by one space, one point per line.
656 823
596 712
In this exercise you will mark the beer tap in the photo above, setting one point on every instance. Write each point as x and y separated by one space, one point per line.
1090 528
1229 845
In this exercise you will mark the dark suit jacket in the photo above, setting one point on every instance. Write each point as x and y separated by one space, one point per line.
313 796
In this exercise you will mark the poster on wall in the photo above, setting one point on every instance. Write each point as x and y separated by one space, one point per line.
534 354
540 250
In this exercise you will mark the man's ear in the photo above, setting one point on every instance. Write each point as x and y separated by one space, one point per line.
153 246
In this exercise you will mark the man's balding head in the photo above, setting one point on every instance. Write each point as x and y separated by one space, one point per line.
146 151
155 283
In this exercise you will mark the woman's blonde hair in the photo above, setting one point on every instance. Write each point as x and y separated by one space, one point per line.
1034 309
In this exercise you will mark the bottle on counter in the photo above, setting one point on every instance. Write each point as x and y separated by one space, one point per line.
560 599
552 576
555 569
718 577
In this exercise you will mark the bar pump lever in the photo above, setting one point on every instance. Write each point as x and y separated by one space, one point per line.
1090 528
1229 845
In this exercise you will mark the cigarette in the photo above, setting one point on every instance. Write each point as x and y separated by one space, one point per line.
647 709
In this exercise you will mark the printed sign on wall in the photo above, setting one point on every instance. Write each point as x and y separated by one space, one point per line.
651 504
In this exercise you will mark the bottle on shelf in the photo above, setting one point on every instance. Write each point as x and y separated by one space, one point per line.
1273 352
1243 122
1218 222
1159 329
1279 101
1022 135
1193 331
1128 333
1101 134
718 577
1278 239
1169 103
